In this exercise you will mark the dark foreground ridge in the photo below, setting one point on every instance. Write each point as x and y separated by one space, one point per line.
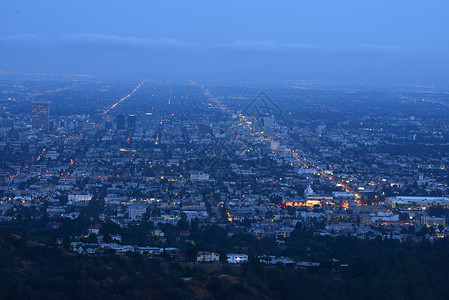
378 269
31 270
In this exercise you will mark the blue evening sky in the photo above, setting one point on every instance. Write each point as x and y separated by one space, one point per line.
379 41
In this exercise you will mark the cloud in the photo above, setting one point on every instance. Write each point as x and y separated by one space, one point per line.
270 46
106 42
374 49
97 39
93 40
19 37
23 39
266 46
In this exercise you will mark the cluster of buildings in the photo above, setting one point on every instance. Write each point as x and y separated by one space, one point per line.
214 164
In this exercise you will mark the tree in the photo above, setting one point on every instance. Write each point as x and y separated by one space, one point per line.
183 224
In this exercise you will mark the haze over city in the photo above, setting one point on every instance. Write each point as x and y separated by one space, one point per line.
387 42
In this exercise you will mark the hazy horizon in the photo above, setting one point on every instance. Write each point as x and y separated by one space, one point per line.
347 41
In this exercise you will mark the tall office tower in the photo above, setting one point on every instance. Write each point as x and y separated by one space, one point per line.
268 121
41 115
120 122
268 124
132 121
108 125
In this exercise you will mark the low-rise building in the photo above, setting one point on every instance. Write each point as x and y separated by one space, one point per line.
433 221
207 257
237 258
419 201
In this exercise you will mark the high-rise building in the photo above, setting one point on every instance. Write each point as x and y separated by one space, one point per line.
120 122
108 125
132 121
268 121
41 115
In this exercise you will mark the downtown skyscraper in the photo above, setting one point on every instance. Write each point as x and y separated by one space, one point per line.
41 115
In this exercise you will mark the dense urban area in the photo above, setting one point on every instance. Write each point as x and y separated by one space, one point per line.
231 190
